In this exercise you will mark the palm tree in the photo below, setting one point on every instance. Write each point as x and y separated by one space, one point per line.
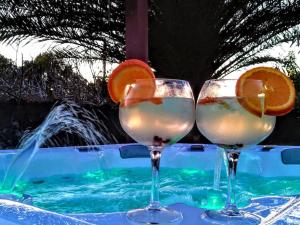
198 39
92 29
191 40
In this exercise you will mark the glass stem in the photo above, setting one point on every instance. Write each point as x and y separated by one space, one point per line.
155 161
231 160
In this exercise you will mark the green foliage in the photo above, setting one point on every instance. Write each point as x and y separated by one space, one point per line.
4 62
196 39
93 28
188 39
294 72
46 78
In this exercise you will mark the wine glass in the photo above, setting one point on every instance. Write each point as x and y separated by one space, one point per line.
222 118
157 120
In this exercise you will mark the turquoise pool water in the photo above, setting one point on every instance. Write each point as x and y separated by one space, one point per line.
123 189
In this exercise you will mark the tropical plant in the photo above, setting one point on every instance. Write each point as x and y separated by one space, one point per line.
197 39
93 28
293 70
188 39
46 78
8 79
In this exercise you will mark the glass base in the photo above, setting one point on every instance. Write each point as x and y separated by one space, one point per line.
161 216
228 217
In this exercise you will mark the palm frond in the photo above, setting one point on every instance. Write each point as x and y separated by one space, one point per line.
240 29
94 25
250 27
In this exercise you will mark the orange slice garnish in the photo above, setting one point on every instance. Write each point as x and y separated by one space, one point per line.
128 72
141 90
278 89
208 100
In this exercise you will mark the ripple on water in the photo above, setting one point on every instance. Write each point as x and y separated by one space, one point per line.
123 189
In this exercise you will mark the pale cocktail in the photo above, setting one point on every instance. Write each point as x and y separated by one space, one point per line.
157 115
150 123
223 120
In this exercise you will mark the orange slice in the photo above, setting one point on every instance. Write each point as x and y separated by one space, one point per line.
141 90
214 100
207 100
128 72
278 89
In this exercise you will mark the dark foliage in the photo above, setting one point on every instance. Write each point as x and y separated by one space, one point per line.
188 39
196 39
47 78
95 28
294 71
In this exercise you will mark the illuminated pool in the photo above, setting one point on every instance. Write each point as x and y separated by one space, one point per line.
106 179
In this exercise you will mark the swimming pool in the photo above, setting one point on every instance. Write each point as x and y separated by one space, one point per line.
115 178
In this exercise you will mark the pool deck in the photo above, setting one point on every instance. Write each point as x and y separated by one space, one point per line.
272 210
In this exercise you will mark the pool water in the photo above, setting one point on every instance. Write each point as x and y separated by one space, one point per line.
116 190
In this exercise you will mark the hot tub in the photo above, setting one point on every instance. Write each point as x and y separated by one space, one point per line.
278 165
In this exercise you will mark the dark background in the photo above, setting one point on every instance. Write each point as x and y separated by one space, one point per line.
15 119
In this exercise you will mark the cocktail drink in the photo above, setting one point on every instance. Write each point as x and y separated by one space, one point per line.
235 114
151 123
221 118
155 113
156 122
